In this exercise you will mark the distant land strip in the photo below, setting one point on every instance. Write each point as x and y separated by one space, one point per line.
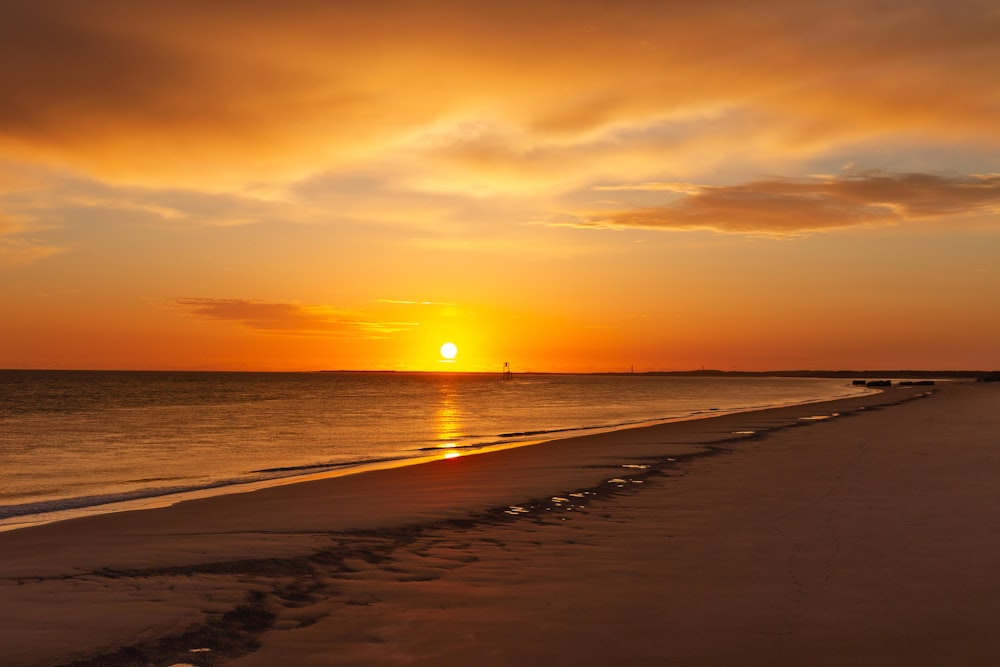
988 376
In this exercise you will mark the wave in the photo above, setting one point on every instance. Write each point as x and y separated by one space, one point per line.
254 476
332 465
482 442
82 502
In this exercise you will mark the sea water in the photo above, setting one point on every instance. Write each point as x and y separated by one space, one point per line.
76 442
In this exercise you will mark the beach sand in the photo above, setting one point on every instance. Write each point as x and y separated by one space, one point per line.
857 532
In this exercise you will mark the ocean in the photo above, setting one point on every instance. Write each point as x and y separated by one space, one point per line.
81 442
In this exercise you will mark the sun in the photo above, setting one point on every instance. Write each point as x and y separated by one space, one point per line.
449 351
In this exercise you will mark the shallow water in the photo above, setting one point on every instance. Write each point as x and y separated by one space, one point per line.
78 440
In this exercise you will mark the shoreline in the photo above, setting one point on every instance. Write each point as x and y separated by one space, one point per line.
65 509
162 573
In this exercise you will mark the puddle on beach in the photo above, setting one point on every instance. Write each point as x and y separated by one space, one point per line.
816 418
566 503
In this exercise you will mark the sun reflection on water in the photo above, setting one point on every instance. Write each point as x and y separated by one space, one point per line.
448 418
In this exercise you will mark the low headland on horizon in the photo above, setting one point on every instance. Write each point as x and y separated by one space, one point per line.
706 372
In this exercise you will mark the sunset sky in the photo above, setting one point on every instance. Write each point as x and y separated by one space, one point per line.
572 186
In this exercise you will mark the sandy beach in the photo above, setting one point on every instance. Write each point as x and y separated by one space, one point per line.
859 531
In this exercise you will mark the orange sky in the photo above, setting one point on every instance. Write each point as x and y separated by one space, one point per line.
581 186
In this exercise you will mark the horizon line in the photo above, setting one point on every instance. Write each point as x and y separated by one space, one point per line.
700 371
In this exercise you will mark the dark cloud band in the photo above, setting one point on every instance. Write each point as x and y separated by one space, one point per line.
783 206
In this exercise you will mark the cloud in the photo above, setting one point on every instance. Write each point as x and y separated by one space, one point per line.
52 199
290 318
188 94
185 206
406 302
456 122
686 188
790 206
16 252
18 249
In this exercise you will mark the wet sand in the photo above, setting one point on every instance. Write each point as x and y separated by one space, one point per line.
860 531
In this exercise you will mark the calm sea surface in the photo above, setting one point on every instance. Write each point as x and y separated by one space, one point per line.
73 442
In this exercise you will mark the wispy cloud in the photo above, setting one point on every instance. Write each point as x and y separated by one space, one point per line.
56 200
790 206
686 188
406 302
18 248
290 318
181 206
21 251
